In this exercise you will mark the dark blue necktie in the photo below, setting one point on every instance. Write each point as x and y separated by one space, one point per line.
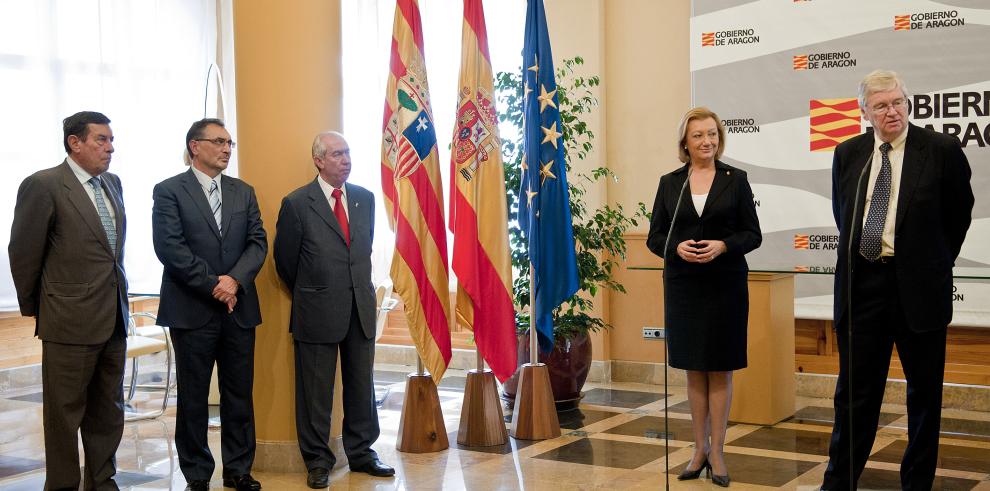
871 242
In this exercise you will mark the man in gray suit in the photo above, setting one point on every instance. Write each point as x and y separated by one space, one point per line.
323 254
66 258
209 237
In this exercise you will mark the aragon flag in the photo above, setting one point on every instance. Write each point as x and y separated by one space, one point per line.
478 205
414 194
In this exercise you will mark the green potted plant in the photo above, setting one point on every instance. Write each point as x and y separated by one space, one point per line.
598 233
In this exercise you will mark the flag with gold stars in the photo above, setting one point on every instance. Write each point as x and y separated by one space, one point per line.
478 216
544 206
414 193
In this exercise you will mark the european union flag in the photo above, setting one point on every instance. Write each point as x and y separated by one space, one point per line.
544 208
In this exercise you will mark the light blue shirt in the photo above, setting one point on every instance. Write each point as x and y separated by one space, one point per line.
84 178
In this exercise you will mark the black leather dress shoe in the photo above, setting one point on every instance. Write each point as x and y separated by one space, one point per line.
375 468
318 478
244 482
198 485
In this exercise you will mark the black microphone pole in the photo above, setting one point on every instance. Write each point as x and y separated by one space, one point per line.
666 346
849 307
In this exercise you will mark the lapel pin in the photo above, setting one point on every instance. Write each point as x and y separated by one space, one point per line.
728 172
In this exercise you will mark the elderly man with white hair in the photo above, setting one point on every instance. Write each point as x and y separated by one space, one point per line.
902 201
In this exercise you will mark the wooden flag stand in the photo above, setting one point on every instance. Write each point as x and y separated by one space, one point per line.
482 423
421 427
534 416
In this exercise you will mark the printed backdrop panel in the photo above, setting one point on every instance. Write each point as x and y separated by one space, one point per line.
783 76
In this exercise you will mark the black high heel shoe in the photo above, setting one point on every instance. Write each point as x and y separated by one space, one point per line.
722 481
689 475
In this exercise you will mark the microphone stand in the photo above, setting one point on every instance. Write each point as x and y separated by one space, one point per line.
849 307
666 398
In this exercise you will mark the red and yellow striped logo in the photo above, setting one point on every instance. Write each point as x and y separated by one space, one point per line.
801 241
902 22
708 39
801 62
833 121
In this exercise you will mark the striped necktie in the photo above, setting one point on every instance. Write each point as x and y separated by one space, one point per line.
871 243
101 207
215 202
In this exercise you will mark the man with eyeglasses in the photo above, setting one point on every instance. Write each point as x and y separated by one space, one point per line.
902 201
209 237
67 262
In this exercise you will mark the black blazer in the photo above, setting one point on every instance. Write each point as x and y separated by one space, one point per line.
64 272
934 210
729 216
325 276
194 253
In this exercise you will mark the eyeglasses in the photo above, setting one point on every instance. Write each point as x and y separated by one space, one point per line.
881 109
218 141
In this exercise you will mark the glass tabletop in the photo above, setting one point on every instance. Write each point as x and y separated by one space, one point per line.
969 273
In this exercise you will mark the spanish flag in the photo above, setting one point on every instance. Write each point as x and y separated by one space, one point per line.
413 193
478 205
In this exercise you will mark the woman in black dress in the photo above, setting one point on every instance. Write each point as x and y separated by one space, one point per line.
707 298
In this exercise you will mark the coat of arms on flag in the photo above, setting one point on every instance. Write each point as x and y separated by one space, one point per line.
406 147
477 134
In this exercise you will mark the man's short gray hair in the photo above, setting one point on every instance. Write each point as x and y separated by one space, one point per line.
879 81
319 148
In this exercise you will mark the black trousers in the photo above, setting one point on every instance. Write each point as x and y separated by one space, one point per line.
316 366
232 349
878 324
82 392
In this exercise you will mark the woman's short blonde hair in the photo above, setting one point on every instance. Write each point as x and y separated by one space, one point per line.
879 81
698 113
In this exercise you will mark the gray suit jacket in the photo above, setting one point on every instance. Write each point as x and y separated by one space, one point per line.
65 273
323 274
194 253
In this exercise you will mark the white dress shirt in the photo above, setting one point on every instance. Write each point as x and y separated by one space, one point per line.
699 202
204 182
328 190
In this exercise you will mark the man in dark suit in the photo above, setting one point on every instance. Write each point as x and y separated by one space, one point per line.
323 254
66 258
209 237
902 202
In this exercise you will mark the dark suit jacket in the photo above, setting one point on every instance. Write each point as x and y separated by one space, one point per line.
934 208
323 274
729 215
195 254
65 274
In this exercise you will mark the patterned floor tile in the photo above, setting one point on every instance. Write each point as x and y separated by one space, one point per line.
763 471
605 453
619 398
786 440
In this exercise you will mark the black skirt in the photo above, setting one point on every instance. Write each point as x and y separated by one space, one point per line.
707 315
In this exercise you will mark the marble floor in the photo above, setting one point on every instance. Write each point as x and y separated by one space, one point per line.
614 440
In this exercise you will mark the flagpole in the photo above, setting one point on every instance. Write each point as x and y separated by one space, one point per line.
534 348
534 414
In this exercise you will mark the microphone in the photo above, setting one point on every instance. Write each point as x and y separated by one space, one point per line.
666 254
849 306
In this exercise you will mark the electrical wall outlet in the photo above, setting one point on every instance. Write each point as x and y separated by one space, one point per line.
654 333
